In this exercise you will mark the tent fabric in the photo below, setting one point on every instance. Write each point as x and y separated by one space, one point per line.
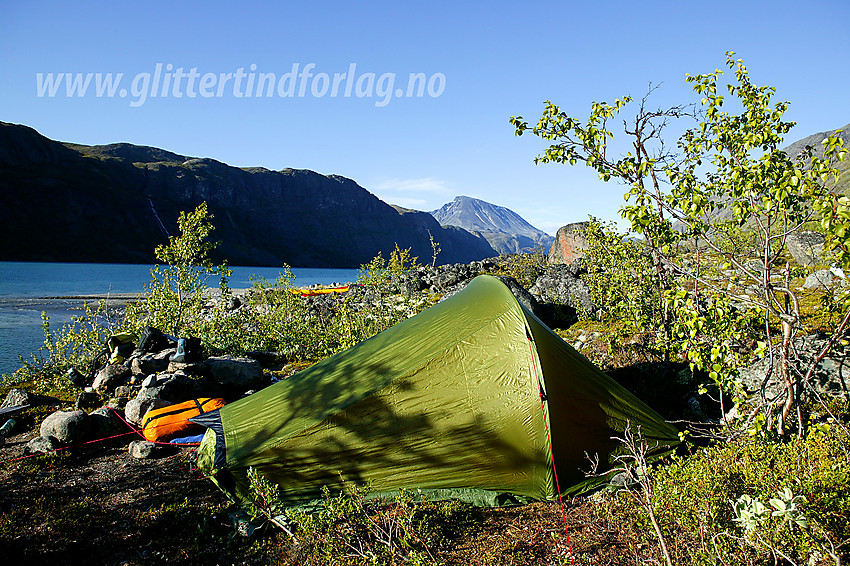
454 402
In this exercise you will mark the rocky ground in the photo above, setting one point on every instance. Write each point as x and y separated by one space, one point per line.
93 502
96 504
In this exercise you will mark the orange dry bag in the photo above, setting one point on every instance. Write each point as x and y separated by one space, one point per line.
173 420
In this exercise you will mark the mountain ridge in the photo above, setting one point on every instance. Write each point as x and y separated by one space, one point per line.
116 202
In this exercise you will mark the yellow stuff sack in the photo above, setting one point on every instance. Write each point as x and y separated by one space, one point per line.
173 421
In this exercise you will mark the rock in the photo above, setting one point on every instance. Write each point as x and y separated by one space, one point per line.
268 359
806 247
171 387
818 280
147 364
86 400
118 403
18 397
41 445
755 266
243 373
831 376
66 426
124 391
559 285
142 449
135 409
105 423
111 377
193 368
570 243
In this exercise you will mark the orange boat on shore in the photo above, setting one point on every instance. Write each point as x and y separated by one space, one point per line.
319 291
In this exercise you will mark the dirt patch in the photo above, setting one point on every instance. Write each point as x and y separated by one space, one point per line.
95 504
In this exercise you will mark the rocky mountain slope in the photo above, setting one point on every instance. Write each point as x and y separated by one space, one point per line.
843 184
115 203
504 229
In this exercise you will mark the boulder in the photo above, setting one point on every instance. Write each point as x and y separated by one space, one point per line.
104 423
193 368
18 397
135 409
151 363
41 445
806 247
570 243
171 387
111 377
243 373
819 279
560 286
830 378
86 400
118 403
142 449
66 426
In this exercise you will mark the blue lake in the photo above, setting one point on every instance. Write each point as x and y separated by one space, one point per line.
28 288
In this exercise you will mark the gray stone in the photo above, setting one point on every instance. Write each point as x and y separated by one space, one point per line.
111 377
754 266
86 400
66 426
151 363
18 397
105 423
41 445
192 368
170 387
244 373
142 449
570 243
124 391
831 376
818 280
135 409
559 285
806 247
118 403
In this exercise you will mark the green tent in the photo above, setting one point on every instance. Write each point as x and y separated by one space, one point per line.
473 398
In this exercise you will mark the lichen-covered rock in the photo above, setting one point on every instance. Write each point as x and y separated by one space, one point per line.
66 426
831 376
18 397
570 243
818 280
111 377
41 445
141 449
806 247
560 286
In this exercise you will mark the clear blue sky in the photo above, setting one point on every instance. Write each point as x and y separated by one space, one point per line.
498 59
